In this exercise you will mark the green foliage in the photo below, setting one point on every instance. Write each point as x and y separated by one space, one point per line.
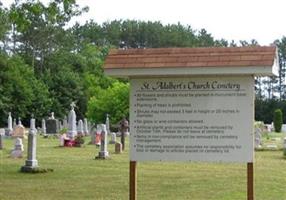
264 109
21 93
278 120
65 87
114 101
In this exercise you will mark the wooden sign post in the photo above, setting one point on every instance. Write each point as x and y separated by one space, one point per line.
133 180
192 104
250 181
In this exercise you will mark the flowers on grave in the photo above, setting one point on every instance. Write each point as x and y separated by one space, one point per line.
79 140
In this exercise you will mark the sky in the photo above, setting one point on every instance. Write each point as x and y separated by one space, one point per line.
263 20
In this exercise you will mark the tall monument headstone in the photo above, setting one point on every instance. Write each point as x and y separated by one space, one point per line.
31 161
107 124
10 125
103 153
72 130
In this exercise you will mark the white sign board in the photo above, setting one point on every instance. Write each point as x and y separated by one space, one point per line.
192 119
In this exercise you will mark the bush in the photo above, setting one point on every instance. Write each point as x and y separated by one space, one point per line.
278 120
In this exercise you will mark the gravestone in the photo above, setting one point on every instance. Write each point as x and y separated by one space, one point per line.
31 162
258 137
112 138
10 125
107 124
44 129
52 125
19 131
72 130
17 152
118 147
80 128
63 138
2 133
14 123
85 127
103 153
92 137
65 122
124 125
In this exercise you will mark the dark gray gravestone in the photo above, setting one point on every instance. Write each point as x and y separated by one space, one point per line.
52 126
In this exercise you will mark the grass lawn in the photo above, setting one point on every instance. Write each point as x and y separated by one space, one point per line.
77 175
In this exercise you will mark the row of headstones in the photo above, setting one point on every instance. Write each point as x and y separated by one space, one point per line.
53 126
31 161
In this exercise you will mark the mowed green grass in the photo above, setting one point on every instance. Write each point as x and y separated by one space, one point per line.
77 175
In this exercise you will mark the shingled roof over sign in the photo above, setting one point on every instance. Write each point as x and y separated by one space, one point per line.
262 60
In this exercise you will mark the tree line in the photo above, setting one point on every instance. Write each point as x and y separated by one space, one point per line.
44 66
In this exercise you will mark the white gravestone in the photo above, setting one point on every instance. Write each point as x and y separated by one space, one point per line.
103 153
72 129
80 127
10 124
258 138
17 152
31 161
44 129
85 127
107 124
112 138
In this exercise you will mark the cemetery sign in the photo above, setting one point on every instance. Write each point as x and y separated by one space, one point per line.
192 104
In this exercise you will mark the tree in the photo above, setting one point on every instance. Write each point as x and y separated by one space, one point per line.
38 29
281 44
21 93
114 101
278 120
